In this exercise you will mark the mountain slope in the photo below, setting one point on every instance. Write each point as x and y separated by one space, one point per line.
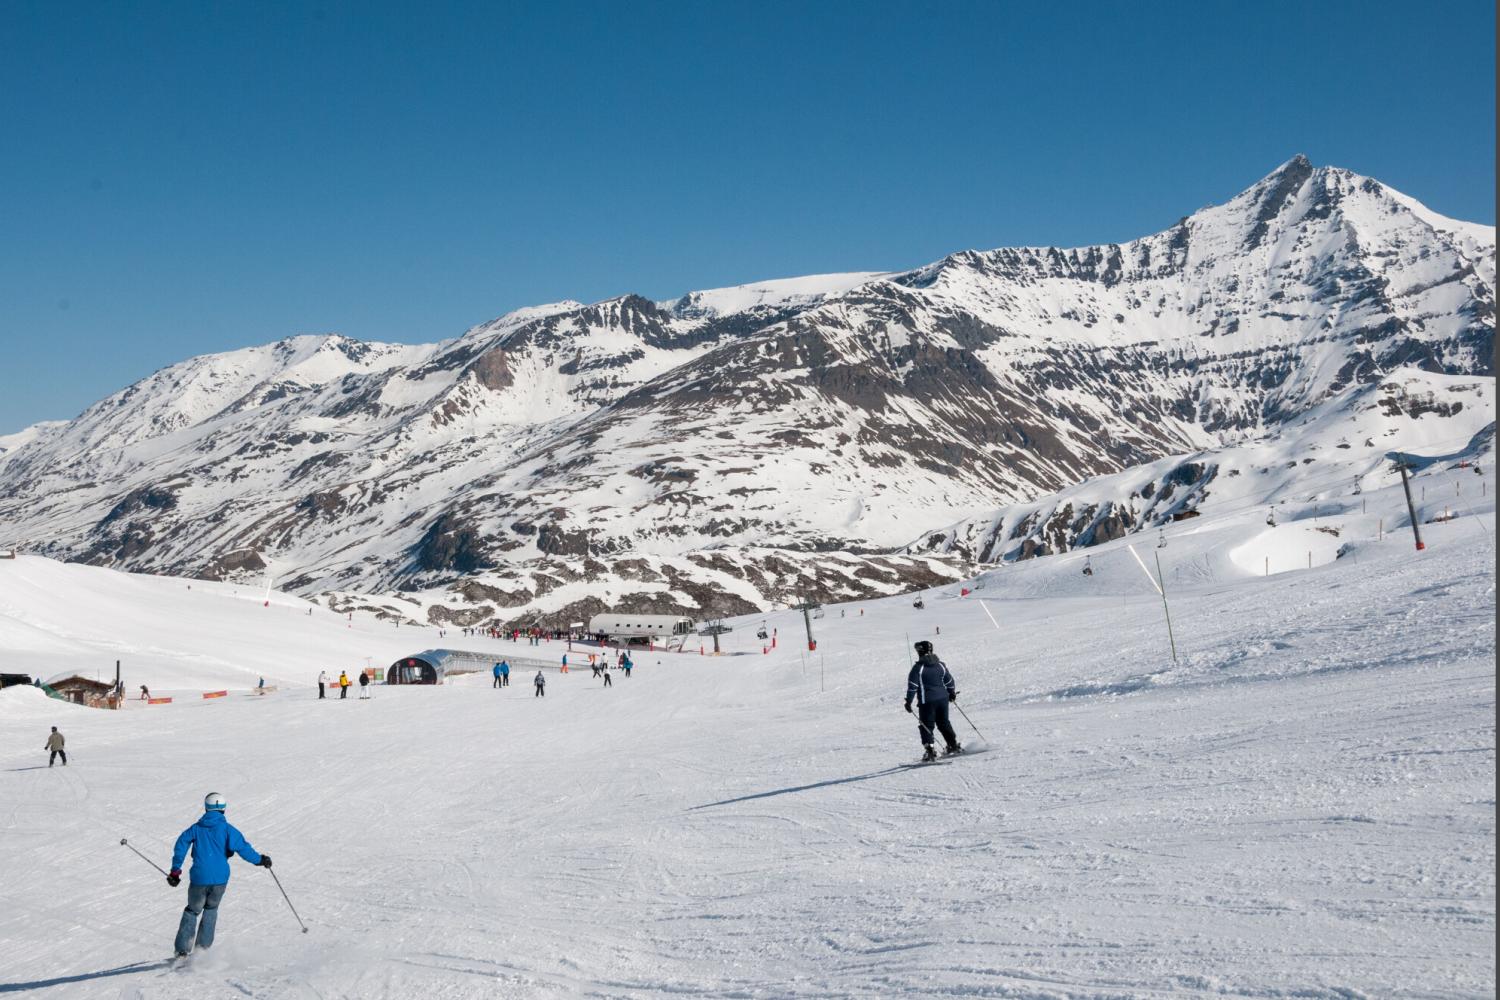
839 412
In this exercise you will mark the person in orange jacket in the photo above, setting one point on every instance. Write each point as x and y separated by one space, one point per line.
343 683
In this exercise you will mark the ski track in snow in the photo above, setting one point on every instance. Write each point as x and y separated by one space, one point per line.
1302 806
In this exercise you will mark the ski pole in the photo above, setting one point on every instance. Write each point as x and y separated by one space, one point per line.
969 721
153 864
288 900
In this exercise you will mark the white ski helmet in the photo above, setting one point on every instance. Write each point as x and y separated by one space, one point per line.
214 802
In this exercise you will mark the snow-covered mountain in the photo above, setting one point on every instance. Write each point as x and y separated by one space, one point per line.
849 412
1321 463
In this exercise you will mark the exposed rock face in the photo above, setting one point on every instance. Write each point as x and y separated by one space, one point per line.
839 413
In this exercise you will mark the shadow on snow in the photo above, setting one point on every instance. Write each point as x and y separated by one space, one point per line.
805 788
83 977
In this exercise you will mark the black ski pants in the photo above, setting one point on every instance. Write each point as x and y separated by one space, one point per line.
52 757
607 681
322 689
934 718
541 692
497 681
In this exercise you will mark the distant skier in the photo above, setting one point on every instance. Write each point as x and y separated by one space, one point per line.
605 671
364 684
541 685
55 748
213 842
626 663
145 694
343 684
504 674
932 685
497 677
322 684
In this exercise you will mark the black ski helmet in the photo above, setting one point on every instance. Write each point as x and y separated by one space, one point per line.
923 648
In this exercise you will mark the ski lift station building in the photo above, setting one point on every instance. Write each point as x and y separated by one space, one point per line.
432 665
628 625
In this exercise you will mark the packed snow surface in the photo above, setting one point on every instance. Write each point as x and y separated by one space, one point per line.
1301 804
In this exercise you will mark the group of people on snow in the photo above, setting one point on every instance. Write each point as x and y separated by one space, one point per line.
343 683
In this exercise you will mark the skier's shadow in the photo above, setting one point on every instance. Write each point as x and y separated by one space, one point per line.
805 788
36 767
83 977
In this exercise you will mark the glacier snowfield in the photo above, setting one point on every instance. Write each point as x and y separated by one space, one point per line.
1301 805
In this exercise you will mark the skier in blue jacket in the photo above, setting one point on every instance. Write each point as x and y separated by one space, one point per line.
497 676
932 686
213 842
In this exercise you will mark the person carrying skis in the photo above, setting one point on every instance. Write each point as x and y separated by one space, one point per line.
932 686
364 684
322 684
55 749
213 842
504 674
496 672
343 684
541 685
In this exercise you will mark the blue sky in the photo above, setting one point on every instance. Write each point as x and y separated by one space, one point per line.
177 179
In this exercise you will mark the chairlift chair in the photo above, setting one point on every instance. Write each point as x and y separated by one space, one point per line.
1161 539
1088 566
1271 518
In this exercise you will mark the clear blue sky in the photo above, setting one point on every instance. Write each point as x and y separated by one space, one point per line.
183 178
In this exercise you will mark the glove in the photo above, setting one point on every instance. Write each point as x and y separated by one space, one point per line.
265 861
908 706
174 878
953 697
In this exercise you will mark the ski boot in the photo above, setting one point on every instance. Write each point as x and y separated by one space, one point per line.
929 753
952 749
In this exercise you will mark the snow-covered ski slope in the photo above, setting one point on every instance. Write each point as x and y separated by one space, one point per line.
1301 805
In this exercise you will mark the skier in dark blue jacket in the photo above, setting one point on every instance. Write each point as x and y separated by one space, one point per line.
213 842
932 686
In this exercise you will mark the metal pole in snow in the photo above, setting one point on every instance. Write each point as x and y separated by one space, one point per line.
1411 508
1162 586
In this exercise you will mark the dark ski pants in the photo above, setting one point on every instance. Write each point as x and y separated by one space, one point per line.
343 691
505 680
607 681
497 681
202 899
934 716
541 692
52 757
322 691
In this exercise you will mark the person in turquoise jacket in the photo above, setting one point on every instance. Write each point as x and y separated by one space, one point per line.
213 842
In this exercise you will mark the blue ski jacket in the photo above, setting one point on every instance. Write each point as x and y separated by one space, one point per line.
213 842
929 681
497 670
504 669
